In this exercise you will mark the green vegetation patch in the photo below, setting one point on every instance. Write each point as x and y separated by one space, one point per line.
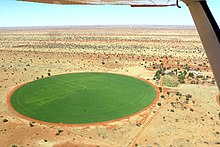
170 81
81 98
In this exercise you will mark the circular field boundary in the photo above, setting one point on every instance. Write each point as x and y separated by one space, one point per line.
218 99
153 104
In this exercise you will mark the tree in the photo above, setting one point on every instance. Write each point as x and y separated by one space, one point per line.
160 89
5 120
157 74
188 96
31 125
181 78
191 75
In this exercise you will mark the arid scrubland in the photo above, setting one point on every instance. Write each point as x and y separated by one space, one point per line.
186 114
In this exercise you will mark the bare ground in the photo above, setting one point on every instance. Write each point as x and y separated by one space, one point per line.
27 55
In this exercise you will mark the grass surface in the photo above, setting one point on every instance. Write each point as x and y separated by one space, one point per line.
170 81
82 98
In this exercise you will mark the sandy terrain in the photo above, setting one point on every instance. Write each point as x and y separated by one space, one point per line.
172 58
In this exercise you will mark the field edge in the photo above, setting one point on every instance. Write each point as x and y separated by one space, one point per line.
153 104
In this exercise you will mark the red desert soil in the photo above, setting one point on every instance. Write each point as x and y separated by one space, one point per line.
186 114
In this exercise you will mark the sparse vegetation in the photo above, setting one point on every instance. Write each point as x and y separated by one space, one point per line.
5 120
170 81
160 89
31 124
171 57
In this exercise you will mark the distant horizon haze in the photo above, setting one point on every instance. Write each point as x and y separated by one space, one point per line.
29 14
100 26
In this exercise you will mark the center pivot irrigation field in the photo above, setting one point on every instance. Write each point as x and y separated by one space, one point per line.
81 98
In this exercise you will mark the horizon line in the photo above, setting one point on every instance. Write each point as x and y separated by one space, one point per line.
95 25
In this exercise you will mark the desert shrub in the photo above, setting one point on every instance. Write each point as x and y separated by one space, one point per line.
160 89
188 96
157 74
5 120
181 79
191 75
31 125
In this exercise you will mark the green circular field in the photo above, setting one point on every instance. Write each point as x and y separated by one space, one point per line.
81 98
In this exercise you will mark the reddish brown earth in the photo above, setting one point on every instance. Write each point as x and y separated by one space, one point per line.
172 120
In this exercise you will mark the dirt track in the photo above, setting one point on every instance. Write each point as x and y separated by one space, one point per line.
193 122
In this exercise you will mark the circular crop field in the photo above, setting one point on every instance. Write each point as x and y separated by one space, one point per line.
82 98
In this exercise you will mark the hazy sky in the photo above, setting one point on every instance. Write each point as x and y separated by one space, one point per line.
14 13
